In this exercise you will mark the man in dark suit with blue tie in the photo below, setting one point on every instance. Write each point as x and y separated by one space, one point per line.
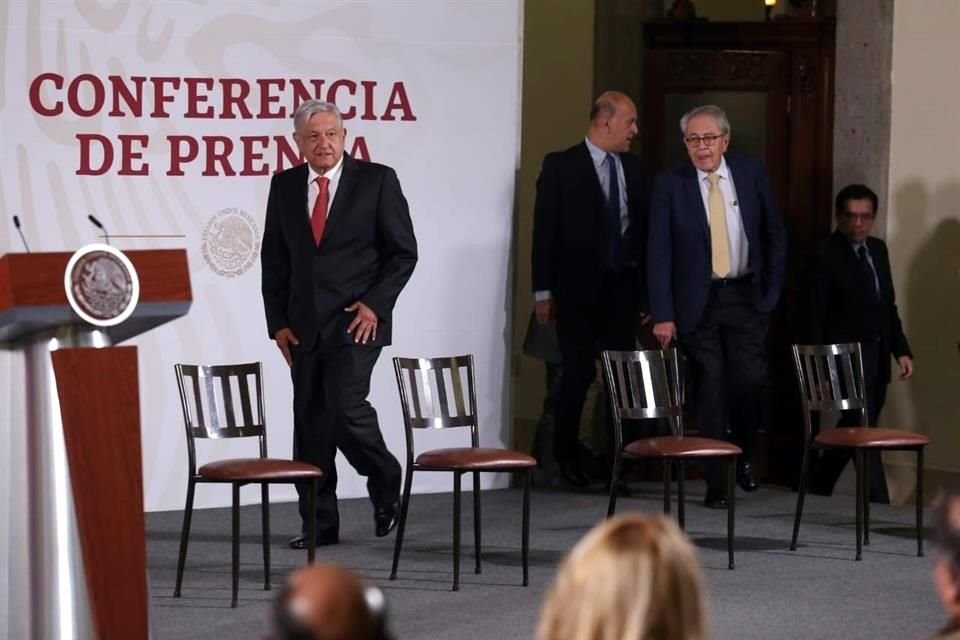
589 238
849 297
338 247
715 265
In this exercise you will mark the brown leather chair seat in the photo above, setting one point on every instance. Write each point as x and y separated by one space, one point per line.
474 459
685 447
258 469
869 437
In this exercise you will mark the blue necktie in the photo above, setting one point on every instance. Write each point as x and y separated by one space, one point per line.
615 240
869 276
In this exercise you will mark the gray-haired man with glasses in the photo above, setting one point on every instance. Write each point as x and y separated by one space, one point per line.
715 264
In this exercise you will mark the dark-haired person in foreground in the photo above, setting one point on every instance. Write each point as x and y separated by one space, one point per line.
946 571
849 297
329 602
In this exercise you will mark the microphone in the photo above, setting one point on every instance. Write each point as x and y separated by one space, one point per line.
16 223
98 225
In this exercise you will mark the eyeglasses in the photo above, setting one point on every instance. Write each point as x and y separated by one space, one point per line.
709 140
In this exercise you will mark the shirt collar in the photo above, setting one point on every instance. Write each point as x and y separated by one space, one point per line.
723 171
599 155
333 174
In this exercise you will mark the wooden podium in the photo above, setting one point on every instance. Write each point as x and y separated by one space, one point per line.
86 559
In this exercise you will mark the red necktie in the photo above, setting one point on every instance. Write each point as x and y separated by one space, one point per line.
318 219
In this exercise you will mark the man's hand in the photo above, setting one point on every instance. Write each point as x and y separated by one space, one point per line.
285 338
906 367
665 333
545 311
364 324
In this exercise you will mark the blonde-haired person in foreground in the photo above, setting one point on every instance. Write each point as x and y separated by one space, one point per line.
632 577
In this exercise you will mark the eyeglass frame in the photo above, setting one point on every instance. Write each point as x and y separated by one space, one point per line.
693 142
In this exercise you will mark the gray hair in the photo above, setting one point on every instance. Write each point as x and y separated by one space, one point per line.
311 107
706 110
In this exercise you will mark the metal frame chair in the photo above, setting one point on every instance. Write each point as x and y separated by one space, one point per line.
830 378
645 385
207 398
425 387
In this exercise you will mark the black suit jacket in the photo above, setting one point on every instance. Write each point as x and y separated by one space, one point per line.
837 306
367 253
679 257
570 226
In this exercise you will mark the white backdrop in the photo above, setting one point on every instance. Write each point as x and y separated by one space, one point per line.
435 89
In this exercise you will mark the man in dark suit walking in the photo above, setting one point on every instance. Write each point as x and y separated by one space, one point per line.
715 263
338 247
589 237
850 298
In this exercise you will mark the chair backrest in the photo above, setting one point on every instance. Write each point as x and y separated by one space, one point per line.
830 377
642 385
219 401
427 386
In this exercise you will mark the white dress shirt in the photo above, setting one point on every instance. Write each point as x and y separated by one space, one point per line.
313 189
739 246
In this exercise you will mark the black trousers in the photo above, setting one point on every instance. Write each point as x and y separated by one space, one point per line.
829 464
728 357
583 332
331 412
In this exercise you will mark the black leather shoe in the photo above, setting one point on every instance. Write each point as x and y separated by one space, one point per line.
715 500
323 540
386 518
745 477
573 473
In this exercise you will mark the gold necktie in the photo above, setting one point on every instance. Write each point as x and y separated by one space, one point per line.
719 239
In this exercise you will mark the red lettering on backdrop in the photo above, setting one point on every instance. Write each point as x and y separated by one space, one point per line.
120 91
160 96
195 98
180 155
128 155
35 87
209 98
267 97
231 99
398 100
87 140
74 91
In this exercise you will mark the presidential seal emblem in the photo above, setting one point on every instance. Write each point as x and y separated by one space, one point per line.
231 242
101 284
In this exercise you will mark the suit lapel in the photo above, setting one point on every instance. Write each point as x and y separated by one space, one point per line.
589 171
348 180
692 187
301 194
748 214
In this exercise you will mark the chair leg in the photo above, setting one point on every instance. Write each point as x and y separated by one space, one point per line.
614 479
525 545
859 482
666 486
312 523
236 544
184 535
920 502
866 498
801 494
404 504
476 519
456 530
731 507
681 496
265 532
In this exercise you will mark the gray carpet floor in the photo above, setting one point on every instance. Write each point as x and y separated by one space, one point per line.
819 591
